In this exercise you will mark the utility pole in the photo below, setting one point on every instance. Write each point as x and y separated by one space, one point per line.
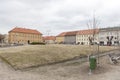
48 32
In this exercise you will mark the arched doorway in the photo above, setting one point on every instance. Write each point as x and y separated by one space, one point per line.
28 41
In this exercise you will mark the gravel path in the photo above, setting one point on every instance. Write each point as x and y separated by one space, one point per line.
64 71
7 73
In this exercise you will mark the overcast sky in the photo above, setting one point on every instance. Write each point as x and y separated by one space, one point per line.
52 17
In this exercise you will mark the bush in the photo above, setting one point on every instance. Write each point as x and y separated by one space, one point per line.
37 43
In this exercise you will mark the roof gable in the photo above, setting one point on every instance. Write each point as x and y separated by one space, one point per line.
61 34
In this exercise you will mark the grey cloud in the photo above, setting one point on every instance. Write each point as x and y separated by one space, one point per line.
57 15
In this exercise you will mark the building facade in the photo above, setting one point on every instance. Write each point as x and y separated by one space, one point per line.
49 39
60 38
109 36
70 37
83 37
6 39
24 36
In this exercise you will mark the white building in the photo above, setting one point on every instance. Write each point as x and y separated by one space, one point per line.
109 36
83 36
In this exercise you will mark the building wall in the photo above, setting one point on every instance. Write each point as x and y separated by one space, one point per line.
70 39
59 40
104 34
23 38
84 39
6 39
50 41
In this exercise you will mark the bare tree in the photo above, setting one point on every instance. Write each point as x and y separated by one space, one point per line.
109 38
92 24
2 38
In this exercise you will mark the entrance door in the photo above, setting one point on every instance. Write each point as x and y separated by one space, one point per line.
28 41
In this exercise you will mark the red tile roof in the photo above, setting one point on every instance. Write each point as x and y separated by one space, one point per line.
61 34
24 30
79 32
49 38
87 32
71 33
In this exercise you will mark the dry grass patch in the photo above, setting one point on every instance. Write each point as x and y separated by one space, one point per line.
26 56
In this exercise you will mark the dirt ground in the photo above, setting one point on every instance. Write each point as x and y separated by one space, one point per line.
33 55
73 70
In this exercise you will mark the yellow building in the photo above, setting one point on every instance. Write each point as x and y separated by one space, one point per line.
23 36
60 38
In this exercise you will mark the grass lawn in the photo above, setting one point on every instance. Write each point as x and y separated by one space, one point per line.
33 55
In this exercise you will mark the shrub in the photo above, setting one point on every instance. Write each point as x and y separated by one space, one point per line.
37 43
